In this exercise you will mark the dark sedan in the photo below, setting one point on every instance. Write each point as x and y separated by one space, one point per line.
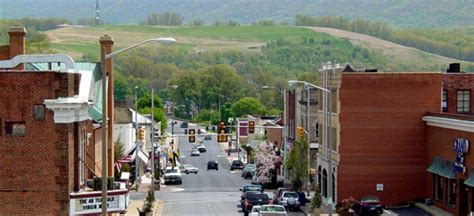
236 164
212 165
370 205
252 199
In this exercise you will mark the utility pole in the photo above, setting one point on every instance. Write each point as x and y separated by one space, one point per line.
285 126
137 142
307 139
97 13
152 139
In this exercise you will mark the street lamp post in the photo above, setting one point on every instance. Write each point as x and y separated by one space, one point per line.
103 60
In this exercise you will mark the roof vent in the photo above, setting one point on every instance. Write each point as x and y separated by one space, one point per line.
454 68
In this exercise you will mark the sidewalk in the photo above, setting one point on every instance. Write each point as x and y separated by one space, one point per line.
433 210
143 187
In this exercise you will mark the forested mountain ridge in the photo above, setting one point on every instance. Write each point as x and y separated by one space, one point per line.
402 13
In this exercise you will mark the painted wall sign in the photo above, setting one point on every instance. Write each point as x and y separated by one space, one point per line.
461 147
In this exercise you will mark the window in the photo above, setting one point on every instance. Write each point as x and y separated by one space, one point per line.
325 183
319 178
15 128
444 104
38 111
437 187
463 101
316 132
451 198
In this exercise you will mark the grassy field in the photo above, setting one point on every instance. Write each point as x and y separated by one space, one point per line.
244 33
79 41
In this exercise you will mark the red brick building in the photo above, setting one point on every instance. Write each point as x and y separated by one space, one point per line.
450 176
382 136
49 137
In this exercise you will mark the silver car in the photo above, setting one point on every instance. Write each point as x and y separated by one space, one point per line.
188 168
195 152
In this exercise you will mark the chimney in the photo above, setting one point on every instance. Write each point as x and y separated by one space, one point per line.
17 42
454 68
106 43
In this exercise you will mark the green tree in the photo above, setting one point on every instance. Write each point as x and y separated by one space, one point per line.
218 84
248 105
144 107
297 163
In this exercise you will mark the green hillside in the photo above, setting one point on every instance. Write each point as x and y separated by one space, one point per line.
403 13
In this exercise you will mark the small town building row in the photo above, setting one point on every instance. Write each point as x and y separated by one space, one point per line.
402 136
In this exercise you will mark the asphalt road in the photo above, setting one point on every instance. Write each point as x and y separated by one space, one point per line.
208 192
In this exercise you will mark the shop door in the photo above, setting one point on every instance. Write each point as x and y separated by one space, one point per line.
463 198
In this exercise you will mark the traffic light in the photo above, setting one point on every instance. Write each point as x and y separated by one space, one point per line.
192 136
222 129
141 133
300 132
251 127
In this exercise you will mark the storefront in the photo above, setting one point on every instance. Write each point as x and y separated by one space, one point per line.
450 168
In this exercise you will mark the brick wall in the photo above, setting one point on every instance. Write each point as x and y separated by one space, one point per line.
38 168
456 81
274 135
382 137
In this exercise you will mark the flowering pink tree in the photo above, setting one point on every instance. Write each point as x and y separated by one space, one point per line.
267 160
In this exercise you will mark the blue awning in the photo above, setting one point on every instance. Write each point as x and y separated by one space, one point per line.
436 165
448 170
470 180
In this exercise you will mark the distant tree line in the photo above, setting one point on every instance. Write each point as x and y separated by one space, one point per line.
441 42
164 19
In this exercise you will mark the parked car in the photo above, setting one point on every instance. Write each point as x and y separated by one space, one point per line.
236 164
370 205
249 170
289 199
212 164
255 210
250 188
273 210
184 125
188 168
195 152
278 193
201 147
254 198
173 175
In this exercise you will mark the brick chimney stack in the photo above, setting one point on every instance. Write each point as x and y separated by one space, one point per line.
17 42
106 44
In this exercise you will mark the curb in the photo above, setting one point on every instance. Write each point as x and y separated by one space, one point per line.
433 210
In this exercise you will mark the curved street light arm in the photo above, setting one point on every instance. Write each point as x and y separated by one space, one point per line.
159 40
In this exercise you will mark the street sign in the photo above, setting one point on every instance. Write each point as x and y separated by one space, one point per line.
243 128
